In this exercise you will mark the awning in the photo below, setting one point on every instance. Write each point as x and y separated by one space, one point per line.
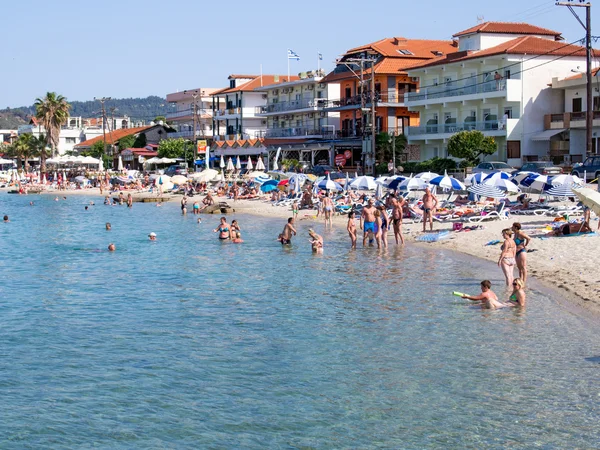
546 135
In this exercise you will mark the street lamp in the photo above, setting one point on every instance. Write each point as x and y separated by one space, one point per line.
392 140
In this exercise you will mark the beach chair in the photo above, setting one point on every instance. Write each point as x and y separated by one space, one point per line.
499 213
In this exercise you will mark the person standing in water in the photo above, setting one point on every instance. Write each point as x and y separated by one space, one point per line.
521 241
223 229
286 235
429 204
351 228
368 217
507 260
316 241
397 204
129 201
328 210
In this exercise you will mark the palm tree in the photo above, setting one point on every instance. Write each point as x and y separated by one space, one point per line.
53 111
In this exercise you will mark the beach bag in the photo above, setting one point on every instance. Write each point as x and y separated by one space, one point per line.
457 226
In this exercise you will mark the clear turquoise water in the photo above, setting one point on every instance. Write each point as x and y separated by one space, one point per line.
192 343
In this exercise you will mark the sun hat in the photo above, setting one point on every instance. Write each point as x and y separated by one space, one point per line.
153 234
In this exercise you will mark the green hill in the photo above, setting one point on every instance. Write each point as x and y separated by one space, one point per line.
135 108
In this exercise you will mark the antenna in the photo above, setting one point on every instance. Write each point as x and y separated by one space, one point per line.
480 19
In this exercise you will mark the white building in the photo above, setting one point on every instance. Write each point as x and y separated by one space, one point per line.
296 109
183 105
237 109
496 82
566 127
76 130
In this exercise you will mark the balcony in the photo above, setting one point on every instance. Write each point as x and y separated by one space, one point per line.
228 112
354 102
298 133
569 120
443 131
455 89
188 134
297 105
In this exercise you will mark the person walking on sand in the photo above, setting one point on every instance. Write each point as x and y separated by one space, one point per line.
507 260
397 205
351 227
430 202
328 210
368 217
286 235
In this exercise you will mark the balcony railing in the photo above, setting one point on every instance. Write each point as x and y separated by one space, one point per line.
228 111
189 134
315 103
296 132
490 125
455 89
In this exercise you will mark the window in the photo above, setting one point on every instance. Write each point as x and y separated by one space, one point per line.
507 74
577 105
378 88
405 52
71 140
596 104
513 149
508 112
348 92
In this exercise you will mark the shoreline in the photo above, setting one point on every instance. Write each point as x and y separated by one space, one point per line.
563 264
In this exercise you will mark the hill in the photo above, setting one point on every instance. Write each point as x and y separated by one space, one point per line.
136 108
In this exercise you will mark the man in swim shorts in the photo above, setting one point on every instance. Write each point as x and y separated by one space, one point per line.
429 203
288 231
368 217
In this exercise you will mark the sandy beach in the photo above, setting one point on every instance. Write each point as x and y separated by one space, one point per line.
564 263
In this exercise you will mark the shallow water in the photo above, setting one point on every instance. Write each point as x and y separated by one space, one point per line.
189 342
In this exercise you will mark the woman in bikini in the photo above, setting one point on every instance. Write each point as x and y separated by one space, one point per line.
328 210
384 225
517 298
507 260
235 232
223 229
521 241
351 228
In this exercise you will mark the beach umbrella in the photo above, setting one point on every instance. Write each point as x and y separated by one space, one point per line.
81 180
536 181
519 177
268 188
275 166
364 183
260 165
283 183
394 182
44 179
347 182
503 185
379 191
475 178
486 190
222 163
268 182
447 182
120 164
426 176
249 165
589 198
566 179
560 190
329 185
297 180
178 179
382 180
413 184
230 167
498 175
101 165
238 163
205 176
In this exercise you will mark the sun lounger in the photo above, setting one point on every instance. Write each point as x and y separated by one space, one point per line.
499 213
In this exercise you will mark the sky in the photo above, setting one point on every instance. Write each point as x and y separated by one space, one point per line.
135 48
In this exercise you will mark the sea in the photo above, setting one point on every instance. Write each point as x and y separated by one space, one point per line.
189 342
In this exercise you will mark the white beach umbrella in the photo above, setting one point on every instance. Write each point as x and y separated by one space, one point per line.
120 164
329 185
536 181
413 184
178 179
275 166
498 175
257 174
90 160
486 190
101 165
222 176
560 190
249 165
521 176
426 176
566 179
379 191
347 183
205 176
44 181
230 166
589 198
447 182
503 184
475 178
260 165
365 183
238 163
222 163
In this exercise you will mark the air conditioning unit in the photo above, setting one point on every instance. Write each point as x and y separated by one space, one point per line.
310 87
264 96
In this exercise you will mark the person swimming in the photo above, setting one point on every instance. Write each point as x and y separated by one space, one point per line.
488 299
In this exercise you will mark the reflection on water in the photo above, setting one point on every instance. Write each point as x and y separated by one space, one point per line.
191 342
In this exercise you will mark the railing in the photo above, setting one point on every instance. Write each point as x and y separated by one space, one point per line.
490 125
557 118
296 132
228 111
189 134
454 89
315 103
357 100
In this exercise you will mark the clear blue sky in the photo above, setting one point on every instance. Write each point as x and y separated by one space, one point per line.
134 48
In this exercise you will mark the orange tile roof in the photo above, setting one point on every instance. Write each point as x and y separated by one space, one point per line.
525 45
420 48
116 135
508 28
235 77
580 75
257 82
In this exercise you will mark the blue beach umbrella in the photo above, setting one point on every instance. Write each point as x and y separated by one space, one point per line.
498 176
393 183
475 178
486 190
447 182
503 184
560 190
329 185
518 178
268 187
537 182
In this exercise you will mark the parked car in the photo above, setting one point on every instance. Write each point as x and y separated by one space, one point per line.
492 167
176 170
591 168
320 170
543 167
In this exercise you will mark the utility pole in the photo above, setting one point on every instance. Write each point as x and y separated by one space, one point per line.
102 100
373 116
194 111
589 116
